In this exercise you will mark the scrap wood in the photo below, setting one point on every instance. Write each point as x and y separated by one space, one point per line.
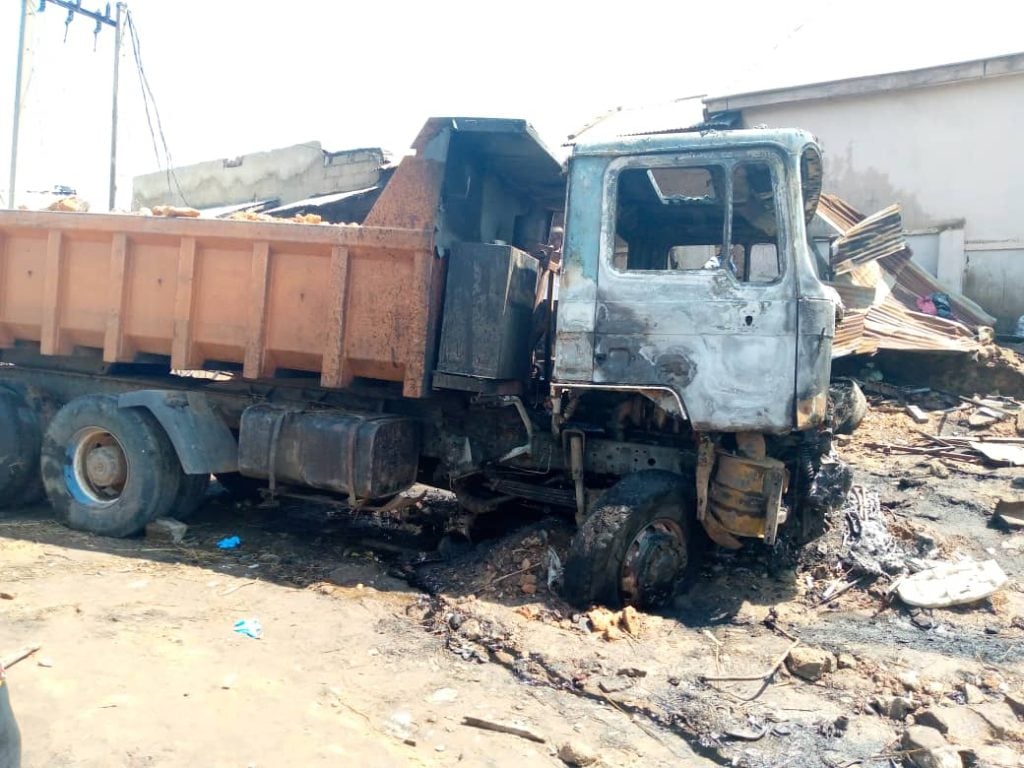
990 405
492 725
954 440
912 449
766 677
841 590
531 567
968 449
917 414
19 655
235 588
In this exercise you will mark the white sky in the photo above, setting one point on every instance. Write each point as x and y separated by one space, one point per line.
236 76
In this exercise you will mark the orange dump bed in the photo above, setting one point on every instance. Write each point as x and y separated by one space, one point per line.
341 301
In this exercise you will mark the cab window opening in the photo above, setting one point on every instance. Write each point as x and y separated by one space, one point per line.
699 217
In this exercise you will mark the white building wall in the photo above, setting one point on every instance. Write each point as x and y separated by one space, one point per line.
945 152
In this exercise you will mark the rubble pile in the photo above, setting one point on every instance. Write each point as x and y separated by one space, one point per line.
945 428
889 301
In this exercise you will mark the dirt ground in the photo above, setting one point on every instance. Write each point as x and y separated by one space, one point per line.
374 648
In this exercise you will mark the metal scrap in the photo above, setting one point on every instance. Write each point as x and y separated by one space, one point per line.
874 237
871 549
994 450
880 286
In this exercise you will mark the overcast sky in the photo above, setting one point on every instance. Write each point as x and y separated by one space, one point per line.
236 76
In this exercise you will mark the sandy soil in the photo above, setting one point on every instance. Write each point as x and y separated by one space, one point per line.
374 650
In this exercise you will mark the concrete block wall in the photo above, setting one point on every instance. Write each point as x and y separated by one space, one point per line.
288 174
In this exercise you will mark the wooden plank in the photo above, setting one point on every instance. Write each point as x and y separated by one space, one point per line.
117 302
49 338
334 368
182 353
917 414
6 340
255 352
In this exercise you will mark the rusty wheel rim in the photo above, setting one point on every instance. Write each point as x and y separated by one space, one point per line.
654 560
97 469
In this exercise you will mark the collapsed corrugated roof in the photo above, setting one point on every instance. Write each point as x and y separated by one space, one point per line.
884 291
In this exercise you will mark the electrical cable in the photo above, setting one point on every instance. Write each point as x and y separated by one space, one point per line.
147 99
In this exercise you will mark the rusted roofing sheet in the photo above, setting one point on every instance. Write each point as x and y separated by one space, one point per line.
881 286
837 213
875 237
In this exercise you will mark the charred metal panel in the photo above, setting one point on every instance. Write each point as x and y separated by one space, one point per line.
488 312
817 323
364 456
745 495
574 355
817 308
727 348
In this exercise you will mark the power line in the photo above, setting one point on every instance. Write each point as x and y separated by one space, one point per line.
74 10
149 99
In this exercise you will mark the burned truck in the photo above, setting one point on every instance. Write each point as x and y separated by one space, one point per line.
660 372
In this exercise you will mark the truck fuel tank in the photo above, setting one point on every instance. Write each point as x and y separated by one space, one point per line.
366 456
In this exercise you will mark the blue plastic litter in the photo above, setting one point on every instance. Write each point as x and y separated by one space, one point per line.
249 628
229 543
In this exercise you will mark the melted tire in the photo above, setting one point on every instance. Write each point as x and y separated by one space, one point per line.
593 569
847 405
153 478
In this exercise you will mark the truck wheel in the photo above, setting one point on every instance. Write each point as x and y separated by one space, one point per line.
20 438
24 413
634 546
108 470
190 496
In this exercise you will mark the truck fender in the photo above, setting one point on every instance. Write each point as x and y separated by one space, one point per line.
203 442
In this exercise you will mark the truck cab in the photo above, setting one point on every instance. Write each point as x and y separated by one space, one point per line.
687 273
688 281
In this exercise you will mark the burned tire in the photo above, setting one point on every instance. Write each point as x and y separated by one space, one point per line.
847 406
108 470
635 547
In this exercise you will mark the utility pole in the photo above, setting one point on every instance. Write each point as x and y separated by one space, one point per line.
17 103
113 107
74 8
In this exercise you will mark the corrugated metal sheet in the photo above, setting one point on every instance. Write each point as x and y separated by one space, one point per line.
881 287
837 213
870 239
